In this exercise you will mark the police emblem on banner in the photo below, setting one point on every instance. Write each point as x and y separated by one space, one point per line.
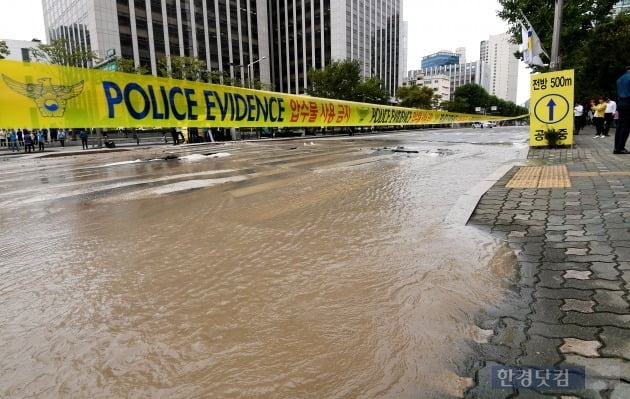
51 99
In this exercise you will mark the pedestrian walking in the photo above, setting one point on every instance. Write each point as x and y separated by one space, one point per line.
61 136
28 142
3 138
598 117
175 136
13 141
578 112
41 139
611 108
623 109
20 137
83 134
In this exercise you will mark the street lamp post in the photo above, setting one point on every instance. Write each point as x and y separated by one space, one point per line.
249 82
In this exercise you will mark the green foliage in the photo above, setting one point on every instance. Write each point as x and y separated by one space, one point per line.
341 80
337 80
579 20
59 52
552 135
128 65
194 69
417 97
186 68
600 62
469 97
372 91
4 50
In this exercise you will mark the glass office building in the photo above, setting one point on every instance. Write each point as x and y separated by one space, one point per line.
439 59
288 36
311 33
228 35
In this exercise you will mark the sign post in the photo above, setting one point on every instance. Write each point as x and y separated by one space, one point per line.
551 107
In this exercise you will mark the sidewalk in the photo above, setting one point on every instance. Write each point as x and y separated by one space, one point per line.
74 147
570 303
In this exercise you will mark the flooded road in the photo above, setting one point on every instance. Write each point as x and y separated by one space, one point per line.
298 269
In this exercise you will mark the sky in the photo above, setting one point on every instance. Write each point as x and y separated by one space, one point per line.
433 26
448 24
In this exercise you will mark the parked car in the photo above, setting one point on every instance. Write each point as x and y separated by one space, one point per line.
485 124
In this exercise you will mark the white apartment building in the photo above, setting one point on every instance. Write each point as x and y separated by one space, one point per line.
499 67
440 83
20 50
458 75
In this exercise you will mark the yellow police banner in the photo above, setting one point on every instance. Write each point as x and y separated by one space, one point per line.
551 108
34 95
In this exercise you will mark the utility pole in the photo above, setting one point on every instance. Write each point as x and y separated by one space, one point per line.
555 44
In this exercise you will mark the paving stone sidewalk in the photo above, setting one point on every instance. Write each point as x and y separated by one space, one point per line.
573 266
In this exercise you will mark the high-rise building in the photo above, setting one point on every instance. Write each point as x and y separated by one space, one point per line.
230 36
461 52
276 41
440 58
311 33
499 67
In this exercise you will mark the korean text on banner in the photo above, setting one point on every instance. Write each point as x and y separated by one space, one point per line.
36 95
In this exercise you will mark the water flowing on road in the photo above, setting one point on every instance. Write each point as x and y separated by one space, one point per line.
297 269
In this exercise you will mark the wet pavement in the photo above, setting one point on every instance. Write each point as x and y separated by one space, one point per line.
328 268
573 254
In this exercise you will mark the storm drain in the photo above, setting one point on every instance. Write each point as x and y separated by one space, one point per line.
556 176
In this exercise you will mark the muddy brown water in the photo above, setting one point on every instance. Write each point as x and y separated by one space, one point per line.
307 269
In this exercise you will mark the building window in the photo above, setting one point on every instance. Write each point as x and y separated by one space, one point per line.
26 55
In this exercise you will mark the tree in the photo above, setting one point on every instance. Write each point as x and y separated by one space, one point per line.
338 80
468 97
59 52
128 65
579 20
417 97
186 68
371 91
600 64
4 50
341 80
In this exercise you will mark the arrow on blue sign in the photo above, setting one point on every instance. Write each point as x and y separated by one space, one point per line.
551 104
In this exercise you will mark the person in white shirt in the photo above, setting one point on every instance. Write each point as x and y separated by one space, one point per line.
611 108
578 112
